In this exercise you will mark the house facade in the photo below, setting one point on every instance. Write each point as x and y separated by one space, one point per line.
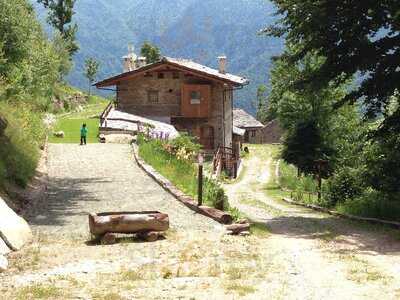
191 97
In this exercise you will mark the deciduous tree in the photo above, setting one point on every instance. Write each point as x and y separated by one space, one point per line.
151 52
91 69
60 17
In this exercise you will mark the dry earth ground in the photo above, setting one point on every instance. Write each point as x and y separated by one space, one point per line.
304 255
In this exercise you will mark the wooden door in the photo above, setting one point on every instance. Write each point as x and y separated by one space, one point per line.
207 137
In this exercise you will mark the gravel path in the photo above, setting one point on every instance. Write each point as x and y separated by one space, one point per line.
102 177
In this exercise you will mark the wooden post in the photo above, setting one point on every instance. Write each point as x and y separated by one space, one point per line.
200 181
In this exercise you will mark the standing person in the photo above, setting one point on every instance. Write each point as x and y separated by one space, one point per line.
84 132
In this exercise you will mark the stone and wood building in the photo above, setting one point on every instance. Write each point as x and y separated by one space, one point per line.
251 126
189 96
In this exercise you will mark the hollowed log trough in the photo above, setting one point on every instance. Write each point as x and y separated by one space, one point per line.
144 224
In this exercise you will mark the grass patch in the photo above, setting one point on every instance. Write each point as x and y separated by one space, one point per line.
371 206
259 230
240 288
39 291
183 174
71 129
106 296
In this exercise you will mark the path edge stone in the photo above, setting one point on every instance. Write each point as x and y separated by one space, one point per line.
173 190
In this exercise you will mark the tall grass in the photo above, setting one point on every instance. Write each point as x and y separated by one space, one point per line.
182 173
19 151
372 204
304 188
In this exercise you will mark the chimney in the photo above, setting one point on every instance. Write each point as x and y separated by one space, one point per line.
127 63
222 64
129 60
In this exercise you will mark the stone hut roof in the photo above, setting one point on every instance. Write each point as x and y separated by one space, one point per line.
180 64
243 119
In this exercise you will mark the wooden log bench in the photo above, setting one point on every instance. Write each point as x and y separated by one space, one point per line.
147 225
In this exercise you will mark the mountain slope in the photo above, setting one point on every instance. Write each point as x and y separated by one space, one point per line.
197 29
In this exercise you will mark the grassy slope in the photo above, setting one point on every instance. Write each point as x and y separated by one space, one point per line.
71 123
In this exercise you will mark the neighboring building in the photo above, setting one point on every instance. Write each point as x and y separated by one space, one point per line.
180 92
252 127
272 133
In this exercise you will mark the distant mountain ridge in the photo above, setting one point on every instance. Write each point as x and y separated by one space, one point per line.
197 29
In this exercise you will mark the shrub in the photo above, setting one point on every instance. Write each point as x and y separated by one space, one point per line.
345 185
185 146
214 194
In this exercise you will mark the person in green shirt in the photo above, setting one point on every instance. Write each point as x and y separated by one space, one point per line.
84 132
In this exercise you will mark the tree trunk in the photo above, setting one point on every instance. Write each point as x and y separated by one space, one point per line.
218 215
127 222
238 228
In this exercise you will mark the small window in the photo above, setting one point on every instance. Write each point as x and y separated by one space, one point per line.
152 96
147 74
195 97
175 75
160 75
253 133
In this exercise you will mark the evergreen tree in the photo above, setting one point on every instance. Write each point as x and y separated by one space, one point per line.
60 17
151 52
91 69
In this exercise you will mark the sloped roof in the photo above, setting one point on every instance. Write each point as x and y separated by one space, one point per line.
178 63
243 119
238 131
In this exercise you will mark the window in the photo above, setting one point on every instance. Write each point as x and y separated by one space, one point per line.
160 75
175 75
195 97
253 133
152 96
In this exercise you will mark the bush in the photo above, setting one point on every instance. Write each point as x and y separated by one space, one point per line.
185 146
345 185
214 194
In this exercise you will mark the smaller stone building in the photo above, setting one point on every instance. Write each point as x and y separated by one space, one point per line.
252 127
272 133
